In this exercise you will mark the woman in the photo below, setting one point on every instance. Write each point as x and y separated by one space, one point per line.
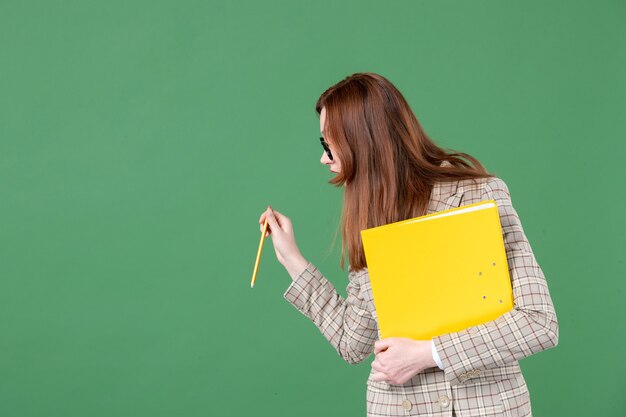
392 171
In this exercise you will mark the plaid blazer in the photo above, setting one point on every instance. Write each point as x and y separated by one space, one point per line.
481 375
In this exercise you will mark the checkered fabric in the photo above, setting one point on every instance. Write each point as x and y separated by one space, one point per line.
481 375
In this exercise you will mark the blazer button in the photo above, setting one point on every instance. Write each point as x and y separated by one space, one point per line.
444 401
406 404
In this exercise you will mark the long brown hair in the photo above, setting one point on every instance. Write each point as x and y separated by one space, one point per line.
388 163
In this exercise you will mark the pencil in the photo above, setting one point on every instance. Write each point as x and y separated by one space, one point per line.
258 255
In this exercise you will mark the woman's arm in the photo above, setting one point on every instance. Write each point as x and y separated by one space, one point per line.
529 328
345 323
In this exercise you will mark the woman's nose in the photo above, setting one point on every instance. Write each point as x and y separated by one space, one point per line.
325 159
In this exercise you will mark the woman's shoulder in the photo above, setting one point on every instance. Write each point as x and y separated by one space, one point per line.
487 184
450 194
469 183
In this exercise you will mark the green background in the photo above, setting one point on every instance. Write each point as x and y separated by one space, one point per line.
141 140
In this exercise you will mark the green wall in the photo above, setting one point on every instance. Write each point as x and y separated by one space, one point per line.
141 140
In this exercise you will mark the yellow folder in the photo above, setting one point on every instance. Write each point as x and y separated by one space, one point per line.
438 273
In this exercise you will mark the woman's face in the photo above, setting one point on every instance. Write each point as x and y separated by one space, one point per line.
335 164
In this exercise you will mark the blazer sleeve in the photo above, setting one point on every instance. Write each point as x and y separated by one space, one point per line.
346 323
530 327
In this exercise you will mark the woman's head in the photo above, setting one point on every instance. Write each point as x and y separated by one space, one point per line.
357 116
382 156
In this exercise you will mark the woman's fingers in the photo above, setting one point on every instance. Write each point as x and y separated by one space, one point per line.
281 217
281 230
262 218
262 222
376 366
382 345
379 377
267 233
272 222
281 221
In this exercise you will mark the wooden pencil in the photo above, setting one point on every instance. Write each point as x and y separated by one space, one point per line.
258 255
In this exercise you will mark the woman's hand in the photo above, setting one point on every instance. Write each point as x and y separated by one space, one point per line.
281 230
399 359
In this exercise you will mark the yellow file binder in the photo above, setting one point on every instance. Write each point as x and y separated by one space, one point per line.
438 273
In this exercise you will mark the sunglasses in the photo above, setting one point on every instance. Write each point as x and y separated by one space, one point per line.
326 148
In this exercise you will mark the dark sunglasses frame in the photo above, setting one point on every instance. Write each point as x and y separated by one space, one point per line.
326 148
